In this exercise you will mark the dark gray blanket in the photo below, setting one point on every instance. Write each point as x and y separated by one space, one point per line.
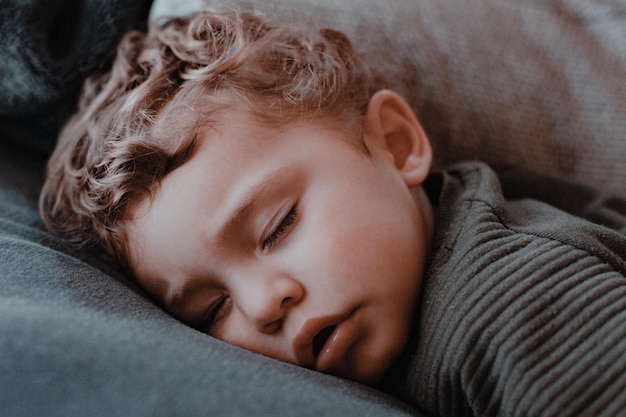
46 49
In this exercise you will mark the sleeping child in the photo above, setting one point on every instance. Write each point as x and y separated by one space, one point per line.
262 185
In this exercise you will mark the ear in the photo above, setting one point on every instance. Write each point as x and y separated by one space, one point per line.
391 127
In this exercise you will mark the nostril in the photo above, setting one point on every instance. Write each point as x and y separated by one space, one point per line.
286 301
272 327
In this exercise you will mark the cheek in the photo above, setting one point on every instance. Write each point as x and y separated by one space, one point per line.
236 330
356 235
344 243
328 260
386 248
352 253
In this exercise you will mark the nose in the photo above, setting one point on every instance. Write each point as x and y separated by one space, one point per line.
266 297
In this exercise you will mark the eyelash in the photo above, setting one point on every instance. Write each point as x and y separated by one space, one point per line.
280 230
212 315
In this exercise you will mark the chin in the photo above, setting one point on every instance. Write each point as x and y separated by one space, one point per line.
371 369
374 360
369 375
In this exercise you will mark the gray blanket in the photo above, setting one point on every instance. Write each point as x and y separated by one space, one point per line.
46 49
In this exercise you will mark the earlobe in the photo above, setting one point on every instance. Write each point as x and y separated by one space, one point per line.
393 128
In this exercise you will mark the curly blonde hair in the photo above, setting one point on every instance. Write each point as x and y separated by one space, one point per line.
138 122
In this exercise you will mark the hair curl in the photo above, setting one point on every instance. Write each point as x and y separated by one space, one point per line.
137 122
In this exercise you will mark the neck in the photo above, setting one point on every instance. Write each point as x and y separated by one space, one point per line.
427 213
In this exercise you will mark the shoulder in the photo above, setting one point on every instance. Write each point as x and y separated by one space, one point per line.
473 211
515 291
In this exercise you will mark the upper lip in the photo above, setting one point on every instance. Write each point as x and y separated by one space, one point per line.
303 342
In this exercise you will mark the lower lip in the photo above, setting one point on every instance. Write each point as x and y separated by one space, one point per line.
336 347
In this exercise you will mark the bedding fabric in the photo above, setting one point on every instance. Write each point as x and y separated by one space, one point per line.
524 306
526 85
47 49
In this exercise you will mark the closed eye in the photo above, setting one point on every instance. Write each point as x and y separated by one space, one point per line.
280 230
216 311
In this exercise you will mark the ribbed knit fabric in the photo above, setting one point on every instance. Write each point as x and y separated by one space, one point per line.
523 310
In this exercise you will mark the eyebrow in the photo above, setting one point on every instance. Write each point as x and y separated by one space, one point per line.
249 201
175 300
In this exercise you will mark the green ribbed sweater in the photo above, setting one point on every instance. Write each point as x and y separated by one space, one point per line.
523 309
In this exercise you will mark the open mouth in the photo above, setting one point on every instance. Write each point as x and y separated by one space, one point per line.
320 339
324 340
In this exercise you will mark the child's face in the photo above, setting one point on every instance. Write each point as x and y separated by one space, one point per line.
292 243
